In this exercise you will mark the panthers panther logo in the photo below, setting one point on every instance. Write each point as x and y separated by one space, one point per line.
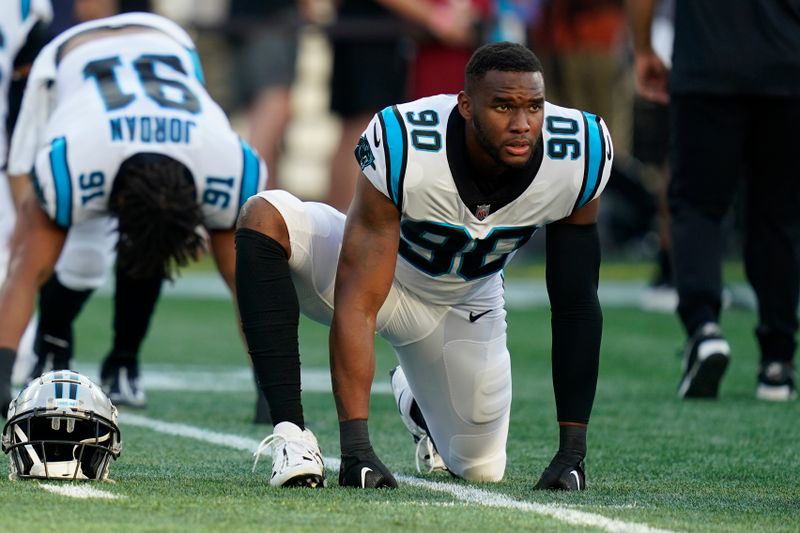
364 154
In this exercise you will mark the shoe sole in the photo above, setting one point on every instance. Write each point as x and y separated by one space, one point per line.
703 379
771 393
311 481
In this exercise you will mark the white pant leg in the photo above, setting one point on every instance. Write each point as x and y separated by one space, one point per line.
88 254
460 375
459 371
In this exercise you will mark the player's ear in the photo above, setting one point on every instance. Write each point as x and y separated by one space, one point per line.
465 105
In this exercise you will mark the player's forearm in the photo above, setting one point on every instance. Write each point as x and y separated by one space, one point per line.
640 15
352 346
573 264
16 304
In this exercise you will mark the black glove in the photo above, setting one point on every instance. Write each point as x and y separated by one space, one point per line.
360 467
563 473
365 472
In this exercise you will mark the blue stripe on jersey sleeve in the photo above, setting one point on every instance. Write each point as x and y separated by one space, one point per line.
62 181
250 173
198 68
395 141
595 155
25 9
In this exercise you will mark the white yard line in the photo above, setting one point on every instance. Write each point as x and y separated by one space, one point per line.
210 379
563 514
460 492
81 491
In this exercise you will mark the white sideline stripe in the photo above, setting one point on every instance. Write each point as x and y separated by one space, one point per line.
563 514
182 430
172 378
519 293
79 491
465 494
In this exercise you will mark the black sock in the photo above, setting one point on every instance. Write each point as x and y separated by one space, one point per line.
134 302
572 442
270 317
58 308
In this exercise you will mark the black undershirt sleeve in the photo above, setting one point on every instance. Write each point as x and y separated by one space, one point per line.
572 271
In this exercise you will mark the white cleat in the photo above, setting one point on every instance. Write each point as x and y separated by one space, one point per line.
296 457
426 453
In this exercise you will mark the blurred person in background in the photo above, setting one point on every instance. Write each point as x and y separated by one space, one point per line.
266 37
734 98
650 143
371 53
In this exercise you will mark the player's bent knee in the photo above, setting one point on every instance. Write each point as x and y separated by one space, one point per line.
490 471
258 214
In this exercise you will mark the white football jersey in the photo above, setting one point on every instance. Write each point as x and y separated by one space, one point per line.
87 110
17 18
448 252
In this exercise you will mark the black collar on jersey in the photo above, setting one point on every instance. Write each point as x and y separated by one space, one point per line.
477 190
107 27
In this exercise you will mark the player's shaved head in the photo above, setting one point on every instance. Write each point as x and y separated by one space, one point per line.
502 56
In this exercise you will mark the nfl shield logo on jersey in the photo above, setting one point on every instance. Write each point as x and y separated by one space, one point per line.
482 211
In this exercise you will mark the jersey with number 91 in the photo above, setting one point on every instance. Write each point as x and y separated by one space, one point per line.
449 253
109 89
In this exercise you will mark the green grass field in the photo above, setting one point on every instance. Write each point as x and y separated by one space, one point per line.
654 462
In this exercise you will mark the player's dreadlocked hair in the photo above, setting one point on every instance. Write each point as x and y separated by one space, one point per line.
503 56
155 200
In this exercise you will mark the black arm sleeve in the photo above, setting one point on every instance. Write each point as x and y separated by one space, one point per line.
37 38
573 266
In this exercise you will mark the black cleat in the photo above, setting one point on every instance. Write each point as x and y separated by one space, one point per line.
776 381
704 362
122 387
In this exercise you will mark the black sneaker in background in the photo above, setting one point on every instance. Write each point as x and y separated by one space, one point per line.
121 385
776 381
705 359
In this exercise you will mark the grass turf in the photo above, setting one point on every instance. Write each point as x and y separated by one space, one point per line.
727 465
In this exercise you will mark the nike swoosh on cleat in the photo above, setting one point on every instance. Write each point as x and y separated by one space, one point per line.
577 478
364 471
375 136
473 317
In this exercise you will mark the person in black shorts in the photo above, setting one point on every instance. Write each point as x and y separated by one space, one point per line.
369 73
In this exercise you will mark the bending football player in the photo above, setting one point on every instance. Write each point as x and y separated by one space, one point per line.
117 130
451 187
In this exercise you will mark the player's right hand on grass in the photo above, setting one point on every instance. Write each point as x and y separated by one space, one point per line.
365 472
